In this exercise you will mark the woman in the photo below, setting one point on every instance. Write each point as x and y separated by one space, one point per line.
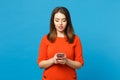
60 51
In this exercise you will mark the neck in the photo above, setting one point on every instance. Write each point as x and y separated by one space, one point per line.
60 34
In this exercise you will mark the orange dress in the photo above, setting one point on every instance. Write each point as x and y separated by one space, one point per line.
60 71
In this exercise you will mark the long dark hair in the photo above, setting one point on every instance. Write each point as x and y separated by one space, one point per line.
69 31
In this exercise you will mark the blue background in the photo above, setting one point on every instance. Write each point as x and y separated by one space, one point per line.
24 22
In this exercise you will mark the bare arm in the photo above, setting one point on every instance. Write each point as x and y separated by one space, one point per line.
49 62
73 64
46 63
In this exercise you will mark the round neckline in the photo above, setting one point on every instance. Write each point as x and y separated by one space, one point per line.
61 37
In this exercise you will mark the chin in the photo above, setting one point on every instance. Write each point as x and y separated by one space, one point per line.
61 31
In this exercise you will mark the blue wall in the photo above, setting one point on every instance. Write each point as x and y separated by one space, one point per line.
24 22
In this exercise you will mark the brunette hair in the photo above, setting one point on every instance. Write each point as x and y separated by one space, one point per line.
69 31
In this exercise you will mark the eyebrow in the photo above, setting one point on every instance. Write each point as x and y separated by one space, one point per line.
58 18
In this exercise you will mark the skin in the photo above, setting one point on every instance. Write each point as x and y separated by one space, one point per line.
60 25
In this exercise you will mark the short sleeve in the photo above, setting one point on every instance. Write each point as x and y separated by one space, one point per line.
42 54
78 51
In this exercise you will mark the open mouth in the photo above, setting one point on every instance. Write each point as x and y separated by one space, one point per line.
60 27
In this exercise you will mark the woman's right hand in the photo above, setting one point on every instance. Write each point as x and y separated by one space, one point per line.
55 59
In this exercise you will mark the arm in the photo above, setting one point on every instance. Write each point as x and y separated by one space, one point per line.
43 61
73 64
49 62
46 63
78 62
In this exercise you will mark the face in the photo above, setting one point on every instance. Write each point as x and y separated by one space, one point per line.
60 22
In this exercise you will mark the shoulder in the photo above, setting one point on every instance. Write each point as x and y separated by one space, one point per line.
76 37
44 38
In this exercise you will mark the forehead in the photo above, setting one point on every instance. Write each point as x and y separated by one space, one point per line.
59 15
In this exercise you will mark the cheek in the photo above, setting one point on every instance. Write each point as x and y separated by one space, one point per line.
65 24
55 23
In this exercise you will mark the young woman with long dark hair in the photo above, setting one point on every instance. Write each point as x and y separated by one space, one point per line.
60 51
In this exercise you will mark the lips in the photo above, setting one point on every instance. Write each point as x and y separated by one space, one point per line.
60 27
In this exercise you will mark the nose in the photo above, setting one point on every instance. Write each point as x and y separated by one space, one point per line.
60 22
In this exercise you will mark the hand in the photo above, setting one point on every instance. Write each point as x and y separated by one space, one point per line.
61 58
55 59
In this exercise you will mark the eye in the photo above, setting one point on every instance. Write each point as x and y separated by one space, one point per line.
56 20
64 20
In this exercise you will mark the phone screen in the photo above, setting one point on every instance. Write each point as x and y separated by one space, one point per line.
60 55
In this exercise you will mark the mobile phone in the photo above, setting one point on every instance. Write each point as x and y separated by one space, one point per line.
60 55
